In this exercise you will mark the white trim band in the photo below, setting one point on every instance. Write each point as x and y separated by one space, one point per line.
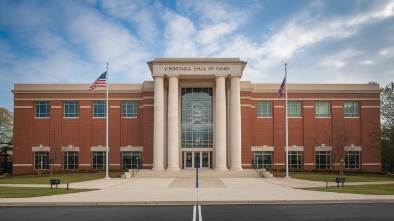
371 164
23 107
370 106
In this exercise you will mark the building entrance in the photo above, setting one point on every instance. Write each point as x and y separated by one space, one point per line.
192 159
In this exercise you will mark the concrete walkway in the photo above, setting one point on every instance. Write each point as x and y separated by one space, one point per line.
230 188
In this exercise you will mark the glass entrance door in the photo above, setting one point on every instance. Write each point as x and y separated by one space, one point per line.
188 160
197 160
192 159
205 160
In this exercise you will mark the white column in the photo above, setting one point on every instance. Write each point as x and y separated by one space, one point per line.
220 124
173 125
235 130
158 130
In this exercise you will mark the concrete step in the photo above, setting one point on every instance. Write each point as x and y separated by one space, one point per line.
127 175
264 173
203 173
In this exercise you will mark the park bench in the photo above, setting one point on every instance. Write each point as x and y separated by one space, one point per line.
54 182
340 180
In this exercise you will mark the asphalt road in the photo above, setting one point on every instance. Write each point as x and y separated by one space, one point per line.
348 212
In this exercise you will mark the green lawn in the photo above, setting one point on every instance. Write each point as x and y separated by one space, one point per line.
382 189
348 178
27 192
67 178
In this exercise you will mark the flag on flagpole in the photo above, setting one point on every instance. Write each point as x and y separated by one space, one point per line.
100 82
282 88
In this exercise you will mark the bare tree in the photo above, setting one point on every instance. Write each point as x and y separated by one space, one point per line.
339 140
55 154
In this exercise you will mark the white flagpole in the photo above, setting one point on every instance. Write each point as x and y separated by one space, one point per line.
287 128
106 131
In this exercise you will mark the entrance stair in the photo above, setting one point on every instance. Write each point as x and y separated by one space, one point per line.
202 173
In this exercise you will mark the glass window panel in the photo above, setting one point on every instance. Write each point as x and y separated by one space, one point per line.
99 109
196 117
129 109
322 109
70 160
71 109
264 109
294 108
323 159
99 159
42 109
352 160
41 160
295 159
262 159
351 109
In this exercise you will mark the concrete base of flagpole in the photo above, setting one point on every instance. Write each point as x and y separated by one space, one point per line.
107 178
287 177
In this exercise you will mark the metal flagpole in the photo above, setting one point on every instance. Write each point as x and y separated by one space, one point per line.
106 131
287 128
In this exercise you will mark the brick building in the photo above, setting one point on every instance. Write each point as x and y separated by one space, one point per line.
195 111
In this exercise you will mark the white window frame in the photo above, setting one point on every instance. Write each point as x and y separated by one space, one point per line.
97 106
129 111
322 106
264 109
297 106
351 105
73 106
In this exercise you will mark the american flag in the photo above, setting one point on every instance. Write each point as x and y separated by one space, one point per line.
100 82
282 88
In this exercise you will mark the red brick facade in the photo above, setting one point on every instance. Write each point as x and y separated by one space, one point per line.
86 131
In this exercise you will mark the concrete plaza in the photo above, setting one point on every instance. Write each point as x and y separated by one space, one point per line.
179 188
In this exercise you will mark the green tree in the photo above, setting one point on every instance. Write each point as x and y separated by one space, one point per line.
387 115
6 126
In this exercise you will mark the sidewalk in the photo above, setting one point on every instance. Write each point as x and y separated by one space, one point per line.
182 191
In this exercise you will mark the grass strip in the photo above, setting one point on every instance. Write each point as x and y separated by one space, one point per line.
372 189
45 179
348 178
28 192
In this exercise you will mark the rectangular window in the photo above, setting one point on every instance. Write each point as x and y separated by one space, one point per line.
294 108
262 159
131 159
295 159
323 160
352 160
99 160
264 109
71 109
351 109
41 160
70 159
196 118
42 109
129 109
322 109
99 109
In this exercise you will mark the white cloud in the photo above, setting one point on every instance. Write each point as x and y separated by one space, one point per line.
179 36
140 14
338 60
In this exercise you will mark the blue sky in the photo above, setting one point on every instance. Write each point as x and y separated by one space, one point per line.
55 42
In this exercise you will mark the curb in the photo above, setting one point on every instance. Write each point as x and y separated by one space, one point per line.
184 203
